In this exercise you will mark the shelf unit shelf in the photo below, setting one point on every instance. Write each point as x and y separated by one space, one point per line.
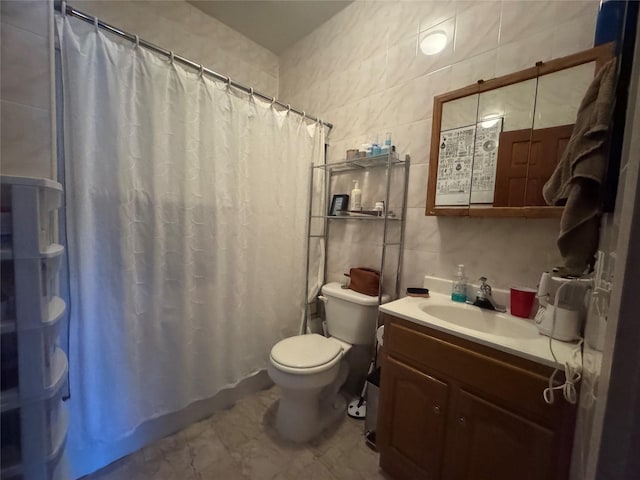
51 251
34 367
358 218
362 163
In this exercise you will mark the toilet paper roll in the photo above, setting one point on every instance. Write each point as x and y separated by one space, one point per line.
379 335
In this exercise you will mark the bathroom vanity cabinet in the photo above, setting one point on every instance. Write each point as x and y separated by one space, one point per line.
453 409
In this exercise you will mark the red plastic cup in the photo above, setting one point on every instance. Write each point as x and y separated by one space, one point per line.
522 301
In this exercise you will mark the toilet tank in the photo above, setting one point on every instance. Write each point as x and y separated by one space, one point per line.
351 316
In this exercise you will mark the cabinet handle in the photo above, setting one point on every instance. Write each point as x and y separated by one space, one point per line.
462 421
436 409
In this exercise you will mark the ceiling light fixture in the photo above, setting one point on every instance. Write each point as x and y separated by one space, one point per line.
433 42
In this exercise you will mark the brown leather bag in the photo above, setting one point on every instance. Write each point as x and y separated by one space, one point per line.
364 280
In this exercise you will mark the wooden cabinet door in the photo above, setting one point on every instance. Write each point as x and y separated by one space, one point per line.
411 422
488 442
511 169
527 158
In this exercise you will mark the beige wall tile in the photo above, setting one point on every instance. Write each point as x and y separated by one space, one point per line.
26 73
433 13
26 80
574 35
477 29
470 70
32 15
525 18
416 196
568 10
525 53
25 140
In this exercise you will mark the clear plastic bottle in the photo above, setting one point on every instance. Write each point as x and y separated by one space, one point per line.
356 197
459 286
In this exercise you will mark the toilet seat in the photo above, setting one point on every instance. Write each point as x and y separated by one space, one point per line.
306 354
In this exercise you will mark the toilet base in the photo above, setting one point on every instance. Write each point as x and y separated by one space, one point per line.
300 425
304 414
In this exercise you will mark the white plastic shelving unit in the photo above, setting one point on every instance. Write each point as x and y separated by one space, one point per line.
34 368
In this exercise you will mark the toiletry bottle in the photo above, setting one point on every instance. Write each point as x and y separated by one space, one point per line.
386 148
459 287
366 149
345 282
375 146
356 197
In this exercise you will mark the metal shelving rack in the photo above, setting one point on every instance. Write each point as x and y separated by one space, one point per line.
386 161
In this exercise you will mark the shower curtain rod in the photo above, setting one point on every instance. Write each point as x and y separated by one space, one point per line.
69 10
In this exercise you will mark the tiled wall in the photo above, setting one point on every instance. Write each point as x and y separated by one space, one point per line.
181 27
363 72
26 108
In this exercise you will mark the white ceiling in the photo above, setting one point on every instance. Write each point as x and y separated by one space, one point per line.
274 24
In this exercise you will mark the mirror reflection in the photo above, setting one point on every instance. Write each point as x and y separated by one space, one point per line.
505 116
559 95
456 150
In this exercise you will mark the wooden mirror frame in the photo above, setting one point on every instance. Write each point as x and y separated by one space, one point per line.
600 54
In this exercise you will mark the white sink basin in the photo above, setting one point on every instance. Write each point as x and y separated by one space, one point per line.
480 320
517 336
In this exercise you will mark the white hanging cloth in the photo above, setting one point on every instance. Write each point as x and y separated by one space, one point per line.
186 208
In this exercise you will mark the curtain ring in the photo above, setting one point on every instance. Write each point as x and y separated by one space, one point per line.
171 57
63 7
201 72
228 82
273 101
288 108
304 114
251 92
137 41
95 23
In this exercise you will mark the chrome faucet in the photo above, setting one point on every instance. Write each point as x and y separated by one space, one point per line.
484 298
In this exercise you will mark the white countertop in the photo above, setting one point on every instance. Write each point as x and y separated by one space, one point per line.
526 342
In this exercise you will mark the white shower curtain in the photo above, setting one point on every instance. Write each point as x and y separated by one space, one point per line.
186 208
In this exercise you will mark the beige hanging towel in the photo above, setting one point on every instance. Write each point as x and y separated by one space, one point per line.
577 180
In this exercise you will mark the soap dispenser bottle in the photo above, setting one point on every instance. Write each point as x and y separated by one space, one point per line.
459 287
356 196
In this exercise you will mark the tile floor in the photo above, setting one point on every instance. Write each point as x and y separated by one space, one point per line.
241 443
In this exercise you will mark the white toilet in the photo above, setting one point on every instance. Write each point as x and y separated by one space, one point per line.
310 369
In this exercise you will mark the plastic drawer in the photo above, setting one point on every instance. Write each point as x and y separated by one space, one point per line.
37 348
31 198
7 296
37 382
36 289
33 433
8 361
6 228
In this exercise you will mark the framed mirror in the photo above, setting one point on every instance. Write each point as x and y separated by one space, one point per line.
495 143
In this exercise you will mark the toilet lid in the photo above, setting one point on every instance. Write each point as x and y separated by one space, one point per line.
305 351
